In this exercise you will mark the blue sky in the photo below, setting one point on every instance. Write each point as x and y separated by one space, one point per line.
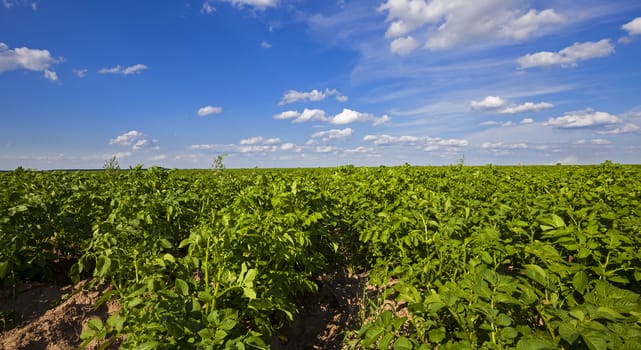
302 83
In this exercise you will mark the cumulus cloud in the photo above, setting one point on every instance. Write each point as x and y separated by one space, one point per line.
489 103
258 140
525 108
324 149
50 75
495 123
29 59
127 138
136 139
81 73
455 22
503 145
403 46
207 8
359 149
260 144
601 142
333 134
124 154
583 119
265 45
292 96
499 105
623 129
306 116
633 27
425 143
159 157
525 26
569 56
12 3
258 4
527 121
203 147
209 110
288 147
348 116
135 69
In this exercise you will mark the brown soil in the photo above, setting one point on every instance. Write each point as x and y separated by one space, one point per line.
49 316
326 318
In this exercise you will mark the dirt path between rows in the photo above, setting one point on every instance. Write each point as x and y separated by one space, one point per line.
51 317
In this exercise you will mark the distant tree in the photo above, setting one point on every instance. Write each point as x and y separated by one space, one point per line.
218 162
111 164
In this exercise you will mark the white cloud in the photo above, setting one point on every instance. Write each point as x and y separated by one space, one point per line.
569 56
616 130
80 73
359 149
495 123
258 140
348 116
324 149
525 26
499 105
333 134
136 139
11 3
456 22
258 4
209 110
594 142
525 107
403 46
286 115
292 96
582 119
265 45
489 103
633 27
306 116
29 59
135 69
145 144
114 70
207 8
50 75
224 148
527 121
257 144
127 138
122 154
426 143
288 146
503 146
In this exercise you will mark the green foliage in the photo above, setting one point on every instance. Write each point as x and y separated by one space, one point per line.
481 257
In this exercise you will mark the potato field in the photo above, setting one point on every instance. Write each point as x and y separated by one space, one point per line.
456 257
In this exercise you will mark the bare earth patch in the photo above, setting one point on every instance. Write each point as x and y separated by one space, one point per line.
49 316
52 317
326 317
